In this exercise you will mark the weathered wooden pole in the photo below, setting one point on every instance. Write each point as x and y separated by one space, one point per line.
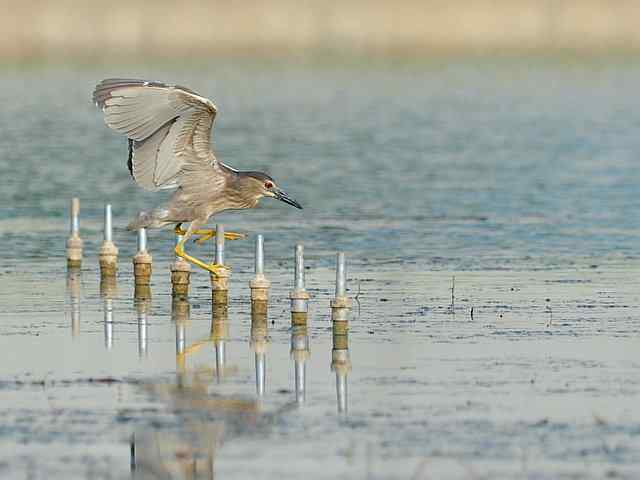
220 280
299 295
108 255
74 242
180 276
259 284
142 267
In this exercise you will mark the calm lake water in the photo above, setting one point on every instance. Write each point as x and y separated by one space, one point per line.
518 178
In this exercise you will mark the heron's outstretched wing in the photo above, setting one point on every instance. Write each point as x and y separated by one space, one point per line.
168 126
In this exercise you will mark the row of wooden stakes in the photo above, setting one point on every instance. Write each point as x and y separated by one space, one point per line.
181 270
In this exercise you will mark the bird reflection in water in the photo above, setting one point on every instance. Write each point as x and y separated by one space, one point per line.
218 337
184 444
186 448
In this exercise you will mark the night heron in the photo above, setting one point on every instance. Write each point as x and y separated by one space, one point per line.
169 132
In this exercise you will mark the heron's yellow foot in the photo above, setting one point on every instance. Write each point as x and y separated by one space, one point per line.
194 347
209 234
212 268
218 269
234 236
204 236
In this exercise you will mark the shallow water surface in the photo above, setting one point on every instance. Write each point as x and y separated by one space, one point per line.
541 383
460 165
489 216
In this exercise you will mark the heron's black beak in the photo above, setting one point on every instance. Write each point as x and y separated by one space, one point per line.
283 197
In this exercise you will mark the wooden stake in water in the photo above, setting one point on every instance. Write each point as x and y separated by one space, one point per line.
259 284
108 256
180 276
142 267
74 242
341 304
299 295
220 281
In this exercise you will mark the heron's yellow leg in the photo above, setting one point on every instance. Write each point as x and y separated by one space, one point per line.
209 233
180 362
214 268
193 348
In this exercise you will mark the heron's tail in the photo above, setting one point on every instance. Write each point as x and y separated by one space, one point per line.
156 218
144 219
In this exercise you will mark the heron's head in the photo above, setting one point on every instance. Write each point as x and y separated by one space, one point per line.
258 185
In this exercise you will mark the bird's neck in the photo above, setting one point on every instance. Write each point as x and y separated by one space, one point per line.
238 197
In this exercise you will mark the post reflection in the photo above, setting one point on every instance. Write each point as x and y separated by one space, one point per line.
108 323
142 308
180 314
108 291
220 335
300 354
259 345
74 283
341 362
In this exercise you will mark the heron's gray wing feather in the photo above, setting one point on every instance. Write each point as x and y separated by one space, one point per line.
169 126
142 162
139 112
200 185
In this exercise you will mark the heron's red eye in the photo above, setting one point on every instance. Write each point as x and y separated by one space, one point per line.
268 185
